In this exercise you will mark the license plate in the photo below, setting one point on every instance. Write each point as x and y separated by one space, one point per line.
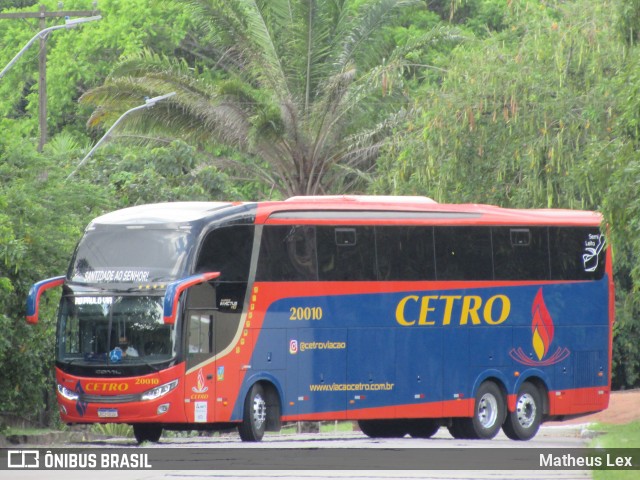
108 413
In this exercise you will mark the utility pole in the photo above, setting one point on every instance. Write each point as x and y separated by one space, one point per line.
42 16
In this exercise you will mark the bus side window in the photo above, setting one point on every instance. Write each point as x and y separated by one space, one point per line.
520 253
577 253
227 250
463 253
287 254
405 253
346 253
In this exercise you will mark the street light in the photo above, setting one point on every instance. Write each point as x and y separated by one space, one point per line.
69 23
149 102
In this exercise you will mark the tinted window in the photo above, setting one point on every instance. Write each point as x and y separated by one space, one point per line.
199 336
577 253
405 253
117 254
201 301
520 253
287 253
346 253
463 253
227 250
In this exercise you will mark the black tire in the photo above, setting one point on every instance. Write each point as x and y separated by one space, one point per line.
254 419
458 428
524 422
147 432
422 427
489 412
383 428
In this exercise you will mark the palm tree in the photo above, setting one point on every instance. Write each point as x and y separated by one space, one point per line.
296 87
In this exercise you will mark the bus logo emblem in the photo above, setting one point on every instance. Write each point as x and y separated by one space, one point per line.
293 347
200 386
542 331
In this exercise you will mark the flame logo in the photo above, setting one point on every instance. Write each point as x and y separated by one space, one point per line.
200 386
542 331
541 326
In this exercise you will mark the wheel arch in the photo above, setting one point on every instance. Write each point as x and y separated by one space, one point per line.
495 376
540 381
273 397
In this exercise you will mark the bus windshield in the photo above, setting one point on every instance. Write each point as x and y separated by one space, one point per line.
114 330
116 254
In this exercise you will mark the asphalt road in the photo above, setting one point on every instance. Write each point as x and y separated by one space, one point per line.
351 443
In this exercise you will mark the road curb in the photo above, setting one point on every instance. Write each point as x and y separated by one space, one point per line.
8 441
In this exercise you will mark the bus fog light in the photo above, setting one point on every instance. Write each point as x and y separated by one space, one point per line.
164 408
160 391
63 410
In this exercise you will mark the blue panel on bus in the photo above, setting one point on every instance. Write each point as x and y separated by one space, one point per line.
320 358
419 367
434 345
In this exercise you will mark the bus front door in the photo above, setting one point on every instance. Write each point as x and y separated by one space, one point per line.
200 345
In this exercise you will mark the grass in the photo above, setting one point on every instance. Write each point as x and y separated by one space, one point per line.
617 436
113 429
26 431
328 427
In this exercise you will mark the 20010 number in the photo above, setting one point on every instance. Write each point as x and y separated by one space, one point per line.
305 313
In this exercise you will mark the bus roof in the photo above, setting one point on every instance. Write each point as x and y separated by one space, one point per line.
348 209
407 210
161 213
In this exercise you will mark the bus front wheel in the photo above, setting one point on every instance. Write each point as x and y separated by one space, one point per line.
254 420
147 432
523 423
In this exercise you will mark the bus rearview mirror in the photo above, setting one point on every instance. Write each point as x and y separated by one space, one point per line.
174 289
33 299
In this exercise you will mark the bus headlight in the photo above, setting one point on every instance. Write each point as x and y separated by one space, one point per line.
160 391
66 393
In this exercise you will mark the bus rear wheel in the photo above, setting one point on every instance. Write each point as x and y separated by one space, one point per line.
489 412
254 419
488 415
523 423
147 432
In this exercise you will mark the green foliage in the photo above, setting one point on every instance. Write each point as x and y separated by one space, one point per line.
80 58
6 4
526 117
138 175
115 430
628 26
611 437
301 91
42 220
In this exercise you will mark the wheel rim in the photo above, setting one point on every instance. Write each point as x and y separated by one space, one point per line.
259 411
526 410
487 410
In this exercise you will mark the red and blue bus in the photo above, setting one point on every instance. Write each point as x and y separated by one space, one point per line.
400 313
